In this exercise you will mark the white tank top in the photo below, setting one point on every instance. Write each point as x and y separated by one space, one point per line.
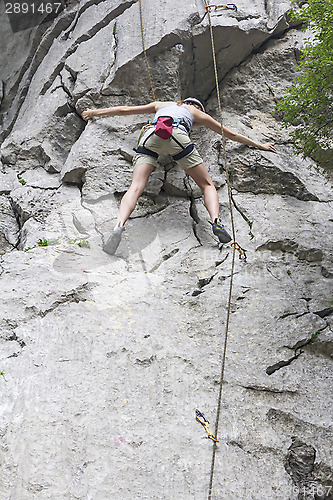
181 113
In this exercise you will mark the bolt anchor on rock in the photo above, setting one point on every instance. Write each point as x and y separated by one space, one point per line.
242 251
200 417
229 6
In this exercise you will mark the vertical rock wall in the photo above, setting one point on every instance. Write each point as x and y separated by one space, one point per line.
104 359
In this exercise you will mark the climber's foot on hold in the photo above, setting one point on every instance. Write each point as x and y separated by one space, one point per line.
220 231
112 243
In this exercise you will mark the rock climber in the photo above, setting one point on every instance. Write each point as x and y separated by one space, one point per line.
168 133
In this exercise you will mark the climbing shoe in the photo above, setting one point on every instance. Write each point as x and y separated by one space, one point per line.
112 243
220 231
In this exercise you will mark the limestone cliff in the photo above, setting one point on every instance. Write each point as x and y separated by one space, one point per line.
105 359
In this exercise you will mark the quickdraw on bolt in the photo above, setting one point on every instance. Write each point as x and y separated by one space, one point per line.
200 417
229 6
242 252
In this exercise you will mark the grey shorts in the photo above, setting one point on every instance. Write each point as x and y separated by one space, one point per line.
167 147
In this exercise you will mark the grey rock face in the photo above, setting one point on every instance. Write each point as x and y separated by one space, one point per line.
308 476
103 359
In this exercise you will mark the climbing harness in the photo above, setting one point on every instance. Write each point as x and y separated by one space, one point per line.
165 131
242 251
228 6
200 417
164 126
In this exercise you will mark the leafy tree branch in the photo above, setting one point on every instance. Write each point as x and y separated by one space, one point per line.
308 103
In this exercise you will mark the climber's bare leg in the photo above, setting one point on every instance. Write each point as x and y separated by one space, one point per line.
200 175
128 203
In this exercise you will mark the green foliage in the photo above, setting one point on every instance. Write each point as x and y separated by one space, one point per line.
308 103
22 181
81 242
46 243
315 335
43 243
250 223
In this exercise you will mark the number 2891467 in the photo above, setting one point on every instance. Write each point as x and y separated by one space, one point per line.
32 8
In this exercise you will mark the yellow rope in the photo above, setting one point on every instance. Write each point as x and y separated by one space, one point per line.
233 259
232 224
144 51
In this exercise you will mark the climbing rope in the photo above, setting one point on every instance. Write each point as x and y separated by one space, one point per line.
144 51
234 247
199 416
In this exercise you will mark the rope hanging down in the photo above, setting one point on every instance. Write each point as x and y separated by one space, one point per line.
235 246
233 257
144 51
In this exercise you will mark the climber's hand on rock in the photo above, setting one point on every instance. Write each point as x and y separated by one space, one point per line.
88 113
268 146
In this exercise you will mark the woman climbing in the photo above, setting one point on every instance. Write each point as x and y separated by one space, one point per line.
168 133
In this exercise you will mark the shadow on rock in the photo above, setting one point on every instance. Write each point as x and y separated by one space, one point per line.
139 234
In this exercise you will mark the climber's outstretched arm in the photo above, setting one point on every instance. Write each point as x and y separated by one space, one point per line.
152 107
204 119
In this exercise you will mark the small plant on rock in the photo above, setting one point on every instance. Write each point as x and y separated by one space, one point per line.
43 243
250 223
47 243
81 242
